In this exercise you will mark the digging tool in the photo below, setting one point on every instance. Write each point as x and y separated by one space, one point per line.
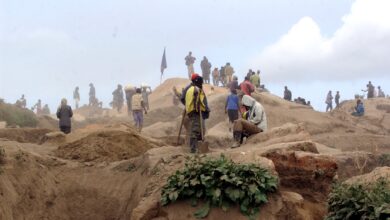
181 126
203 146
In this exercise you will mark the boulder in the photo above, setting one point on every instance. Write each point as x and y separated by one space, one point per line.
307 173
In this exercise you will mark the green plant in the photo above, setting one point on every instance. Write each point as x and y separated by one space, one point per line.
220 182
384 160
131 167
358 201
17 116
2 155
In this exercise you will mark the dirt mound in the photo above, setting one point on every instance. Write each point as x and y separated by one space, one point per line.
15 116
89 111
166 114
48 122
284 205
106 145
24 135
359 162
379 172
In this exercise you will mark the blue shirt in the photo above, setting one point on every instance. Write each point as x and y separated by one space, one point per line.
360 108
232 102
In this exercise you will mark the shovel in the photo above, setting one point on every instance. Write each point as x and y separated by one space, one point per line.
202 145
181 126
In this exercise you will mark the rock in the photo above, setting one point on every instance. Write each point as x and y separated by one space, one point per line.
3 124
379 172
357 163
306 173
55 137
286 133
147 208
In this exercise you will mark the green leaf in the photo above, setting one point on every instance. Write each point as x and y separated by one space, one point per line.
216 193
260 198
173 196
203 212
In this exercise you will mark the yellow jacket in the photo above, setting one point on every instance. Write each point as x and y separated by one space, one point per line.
193 99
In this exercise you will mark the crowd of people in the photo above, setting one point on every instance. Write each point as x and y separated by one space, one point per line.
223 76
246 115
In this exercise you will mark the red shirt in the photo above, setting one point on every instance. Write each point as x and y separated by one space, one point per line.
247 88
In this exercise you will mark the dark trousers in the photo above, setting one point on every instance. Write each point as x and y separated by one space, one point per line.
195 130
65 129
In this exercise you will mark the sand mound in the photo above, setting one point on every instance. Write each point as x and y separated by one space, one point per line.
369 178
24 135
48 122
106 145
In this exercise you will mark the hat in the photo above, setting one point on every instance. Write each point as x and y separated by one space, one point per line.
129 87
194 76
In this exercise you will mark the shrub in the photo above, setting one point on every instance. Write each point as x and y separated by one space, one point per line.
220 182
17 116
2 158
357 201
2 155
384 160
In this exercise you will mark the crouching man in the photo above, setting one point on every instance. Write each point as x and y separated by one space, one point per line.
253 122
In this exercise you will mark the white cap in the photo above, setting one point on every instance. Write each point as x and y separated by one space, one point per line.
129 87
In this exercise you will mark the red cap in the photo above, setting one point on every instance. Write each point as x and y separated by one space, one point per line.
194 76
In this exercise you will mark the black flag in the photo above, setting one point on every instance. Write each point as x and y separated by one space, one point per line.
163 63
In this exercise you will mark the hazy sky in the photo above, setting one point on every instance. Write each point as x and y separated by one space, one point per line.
49 47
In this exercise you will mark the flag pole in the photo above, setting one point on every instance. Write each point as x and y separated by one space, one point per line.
163 65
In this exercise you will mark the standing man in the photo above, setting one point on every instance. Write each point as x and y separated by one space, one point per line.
329 101
118 98
287 94
232 107
337 99
205 65
64 113
197 110
92 95
229 71
46 110
38 107
215 76
145 95
76 97
129 91
258 74
255 80
249 74
138 108
381 94
247 87
234 84
190 60
22 102
222 76
370 90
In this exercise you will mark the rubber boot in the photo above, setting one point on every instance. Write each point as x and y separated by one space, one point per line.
193 145
237 139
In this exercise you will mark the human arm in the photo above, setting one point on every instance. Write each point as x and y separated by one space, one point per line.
144 107
70 112
226 103
58 112
256 117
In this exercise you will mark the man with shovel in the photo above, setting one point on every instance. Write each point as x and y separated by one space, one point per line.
197 110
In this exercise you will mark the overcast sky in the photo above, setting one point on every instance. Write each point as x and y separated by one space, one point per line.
313 46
